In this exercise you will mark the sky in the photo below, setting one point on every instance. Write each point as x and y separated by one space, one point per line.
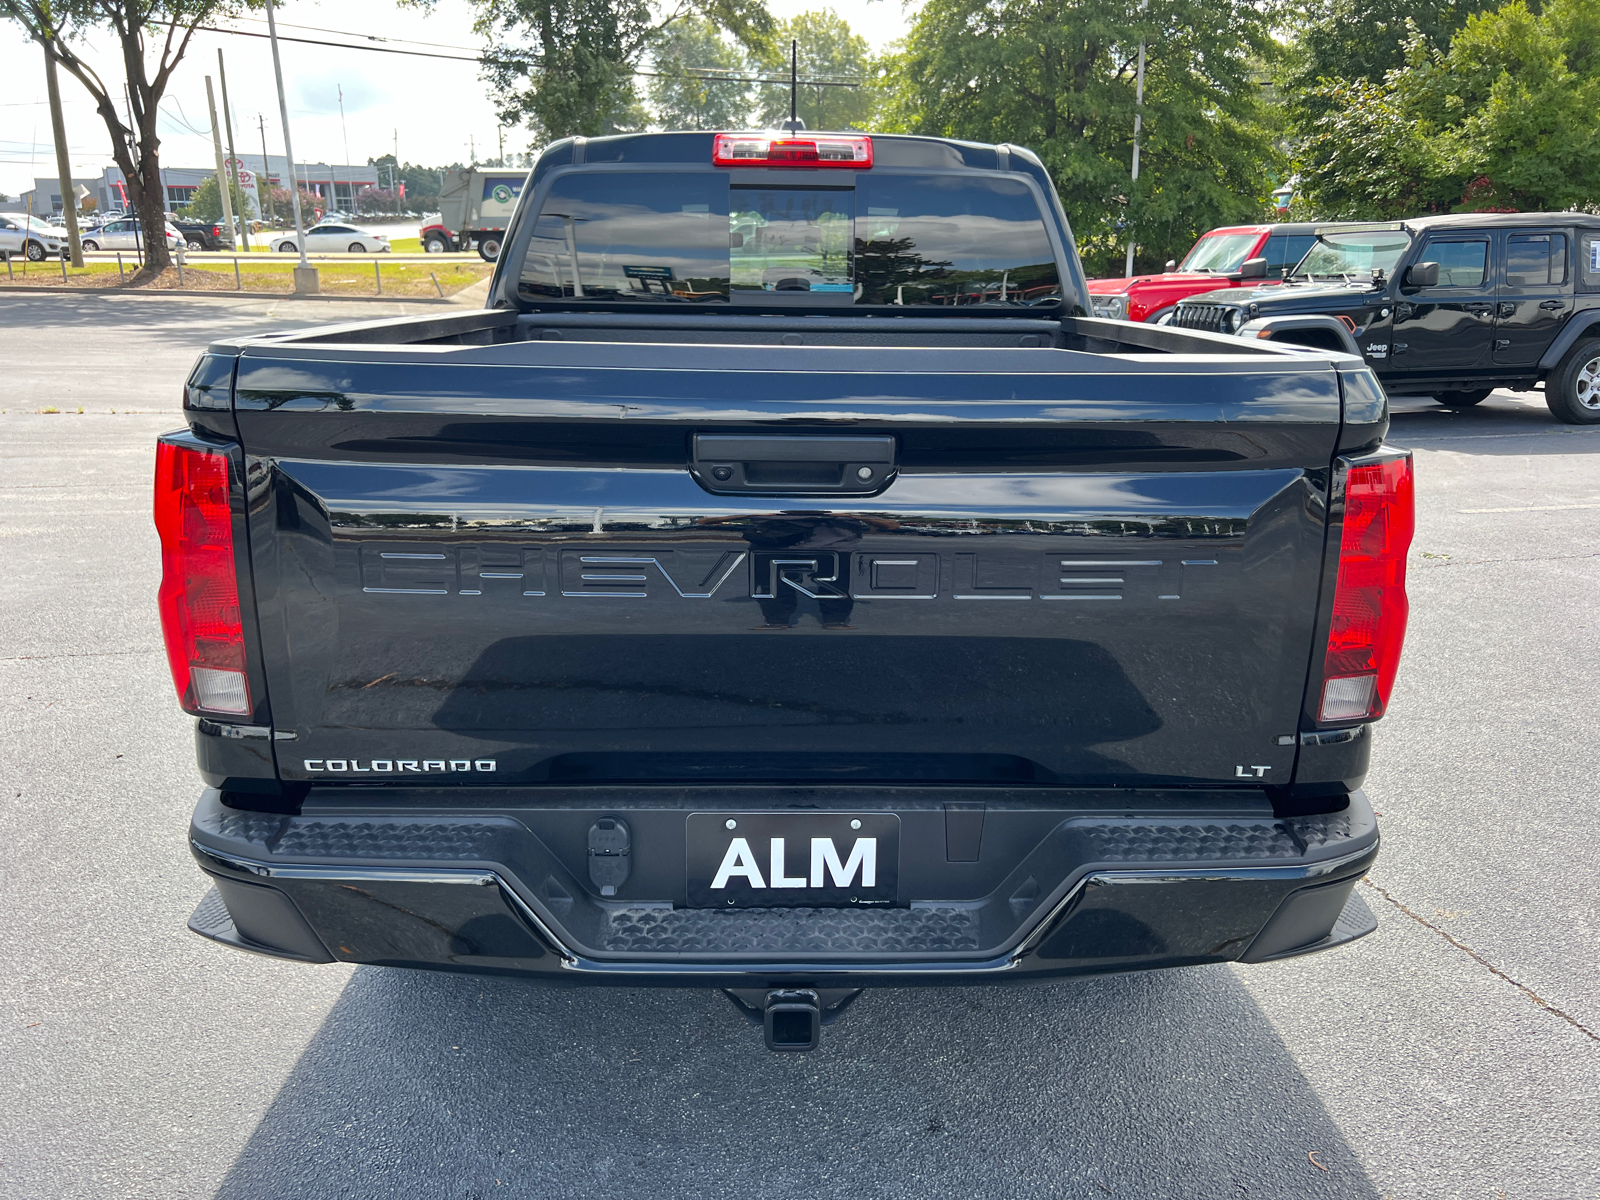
433 110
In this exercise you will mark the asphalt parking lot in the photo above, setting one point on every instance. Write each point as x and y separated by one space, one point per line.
1455 1053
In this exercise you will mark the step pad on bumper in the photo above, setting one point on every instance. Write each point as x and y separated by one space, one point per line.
932 929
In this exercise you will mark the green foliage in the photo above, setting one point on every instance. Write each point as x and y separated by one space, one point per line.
828 52
1366 39
566 66
422 183
1506 118
283 205
1517 105
205 204
1363 158
683 96
1058 76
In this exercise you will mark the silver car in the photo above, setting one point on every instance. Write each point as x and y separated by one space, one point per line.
30 236
124 235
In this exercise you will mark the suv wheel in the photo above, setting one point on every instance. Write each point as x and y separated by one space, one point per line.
1463 399
1573 389
35 252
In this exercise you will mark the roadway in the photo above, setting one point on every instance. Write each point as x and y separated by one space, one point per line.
1455 1053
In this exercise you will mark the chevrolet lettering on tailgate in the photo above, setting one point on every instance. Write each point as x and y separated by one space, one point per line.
508 570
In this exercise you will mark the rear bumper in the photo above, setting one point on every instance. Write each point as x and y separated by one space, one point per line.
1062 883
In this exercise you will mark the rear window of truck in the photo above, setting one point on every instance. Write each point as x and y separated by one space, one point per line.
699 238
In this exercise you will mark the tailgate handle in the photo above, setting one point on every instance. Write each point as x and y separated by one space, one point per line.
793 465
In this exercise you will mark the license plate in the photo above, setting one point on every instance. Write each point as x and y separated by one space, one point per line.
778 860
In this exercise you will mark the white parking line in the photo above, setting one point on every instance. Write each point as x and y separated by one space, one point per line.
1528 508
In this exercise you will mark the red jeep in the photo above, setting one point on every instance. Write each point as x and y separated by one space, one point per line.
1215 261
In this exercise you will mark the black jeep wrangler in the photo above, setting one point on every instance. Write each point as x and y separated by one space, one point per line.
1450 307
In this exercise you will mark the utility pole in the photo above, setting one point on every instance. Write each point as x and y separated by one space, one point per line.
233 159
305 275
264 180
127 184
58 126
472 150
222 175
1138 123
501 130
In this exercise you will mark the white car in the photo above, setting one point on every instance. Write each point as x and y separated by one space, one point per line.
334 238
36 239
124 235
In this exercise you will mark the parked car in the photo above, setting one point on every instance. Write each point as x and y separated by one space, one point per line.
334 238
31 237
125 235
1450 307
200 235
730 612
1223 257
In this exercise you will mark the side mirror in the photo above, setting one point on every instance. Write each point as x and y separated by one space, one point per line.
1253 268
1172 265
1423 275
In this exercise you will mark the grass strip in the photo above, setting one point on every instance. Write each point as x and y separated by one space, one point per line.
338 279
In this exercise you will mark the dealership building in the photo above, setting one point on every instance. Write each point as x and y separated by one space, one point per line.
337 185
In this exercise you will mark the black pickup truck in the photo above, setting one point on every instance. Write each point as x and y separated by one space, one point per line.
1450 307
783 586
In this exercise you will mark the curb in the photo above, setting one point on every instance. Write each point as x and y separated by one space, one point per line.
7 289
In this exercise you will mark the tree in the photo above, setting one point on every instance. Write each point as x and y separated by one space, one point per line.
829 53
205 203
1363 158
1058 76
1503 119
1517 104
687 92
421 183
1366 39
166 24
566 66
282 201
378 200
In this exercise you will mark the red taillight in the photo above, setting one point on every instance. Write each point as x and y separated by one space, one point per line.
199 586
216 231
761 150
1369 600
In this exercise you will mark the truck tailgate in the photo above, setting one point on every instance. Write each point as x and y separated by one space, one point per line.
492 564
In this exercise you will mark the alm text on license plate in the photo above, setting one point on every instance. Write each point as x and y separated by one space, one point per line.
777 860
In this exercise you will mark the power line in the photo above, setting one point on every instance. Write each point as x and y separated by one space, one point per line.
182 120
371 37
320 42
709 74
